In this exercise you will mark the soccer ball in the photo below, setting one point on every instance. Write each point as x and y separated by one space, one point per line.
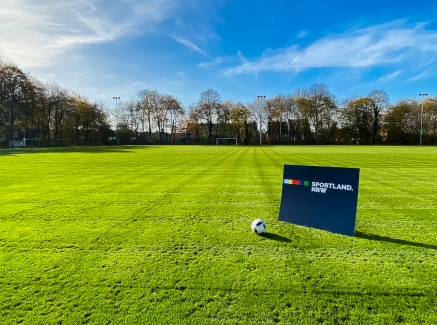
258 226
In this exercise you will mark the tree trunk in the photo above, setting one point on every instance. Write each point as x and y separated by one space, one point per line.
150 126
375 126
288 131
11 124
209 131
246 136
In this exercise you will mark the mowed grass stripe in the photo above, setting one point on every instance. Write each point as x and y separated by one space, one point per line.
161 235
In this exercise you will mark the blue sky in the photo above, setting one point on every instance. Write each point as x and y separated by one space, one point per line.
241 48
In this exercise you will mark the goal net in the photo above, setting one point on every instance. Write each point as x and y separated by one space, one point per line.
226 141
32 142
62 142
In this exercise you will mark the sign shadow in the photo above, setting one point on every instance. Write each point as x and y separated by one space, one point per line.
360 234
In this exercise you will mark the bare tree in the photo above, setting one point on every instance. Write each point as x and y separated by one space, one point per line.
277 112
159 113
174 113
194 118
147 100
317 105
132 114
259 111
379 103
292 116
55 109
209 102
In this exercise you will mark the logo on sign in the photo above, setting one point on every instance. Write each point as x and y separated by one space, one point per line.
319 187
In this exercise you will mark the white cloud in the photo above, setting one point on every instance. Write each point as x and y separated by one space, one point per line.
212 63
368 47
202 32
302 33
390 76
34 33
241 56
188 44
425 74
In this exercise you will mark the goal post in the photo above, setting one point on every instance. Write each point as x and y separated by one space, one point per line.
225 140
32 142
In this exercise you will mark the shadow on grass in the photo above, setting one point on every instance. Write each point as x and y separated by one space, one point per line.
85 149
269 235
360 234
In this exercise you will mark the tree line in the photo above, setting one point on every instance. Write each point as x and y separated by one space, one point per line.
32 109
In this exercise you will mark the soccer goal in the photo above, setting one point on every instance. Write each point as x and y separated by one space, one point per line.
32 142
62 142
226 141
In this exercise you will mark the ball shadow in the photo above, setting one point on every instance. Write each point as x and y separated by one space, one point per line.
276 237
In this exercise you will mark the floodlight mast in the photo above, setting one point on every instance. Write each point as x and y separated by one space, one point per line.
262 99
116 112
421 118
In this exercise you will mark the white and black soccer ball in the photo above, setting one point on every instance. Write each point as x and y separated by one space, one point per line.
258 226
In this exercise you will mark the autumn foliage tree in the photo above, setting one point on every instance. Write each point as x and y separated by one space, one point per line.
30 108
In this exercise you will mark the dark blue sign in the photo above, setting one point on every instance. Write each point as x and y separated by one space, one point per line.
320 197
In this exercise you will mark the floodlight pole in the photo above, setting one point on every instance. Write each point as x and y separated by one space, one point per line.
262 99
116 112
421 118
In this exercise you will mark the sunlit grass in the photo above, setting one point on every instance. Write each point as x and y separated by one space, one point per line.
161 235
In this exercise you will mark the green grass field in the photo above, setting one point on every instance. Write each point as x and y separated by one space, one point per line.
161 235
